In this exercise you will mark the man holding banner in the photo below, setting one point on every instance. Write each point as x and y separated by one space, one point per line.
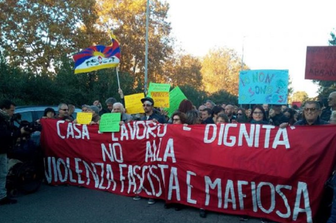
119 108
150 112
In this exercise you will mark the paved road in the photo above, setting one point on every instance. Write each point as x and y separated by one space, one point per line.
73 204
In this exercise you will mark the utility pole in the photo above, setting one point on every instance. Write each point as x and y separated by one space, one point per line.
146 51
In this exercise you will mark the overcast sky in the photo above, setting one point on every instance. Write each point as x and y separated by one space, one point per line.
273 33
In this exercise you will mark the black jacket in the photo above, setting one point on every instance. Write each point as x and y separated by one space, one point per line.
8 133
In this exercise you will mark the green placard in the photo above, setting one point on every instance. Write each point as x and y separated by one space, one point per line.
175 97
154 87
110 122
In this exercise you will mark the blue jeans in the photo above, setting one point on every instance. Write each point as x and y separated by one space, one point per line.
332 218
3 175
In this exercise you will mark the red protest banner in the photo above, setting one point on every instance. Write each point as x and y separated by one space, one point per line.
247 169
320 63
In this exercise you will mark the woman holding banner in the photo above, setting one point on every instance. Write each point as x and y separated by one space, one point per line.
258 115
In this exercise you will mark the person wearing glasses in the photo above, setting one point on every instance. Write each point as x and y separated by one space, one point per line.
179 118
150 112
63 113
258 115
329 106
311 114
241 115
154 115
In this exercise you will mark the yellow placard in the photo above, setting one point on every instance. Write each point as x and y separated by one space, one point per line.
133 103
161 99
84 117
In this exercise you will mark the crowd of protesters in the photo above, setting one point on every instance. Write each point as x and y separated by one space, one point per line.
311 113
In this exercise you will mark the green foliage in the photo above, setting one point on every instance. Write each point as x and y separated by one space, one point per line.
184 70
220 70
223 96
36 33
196 96
26 88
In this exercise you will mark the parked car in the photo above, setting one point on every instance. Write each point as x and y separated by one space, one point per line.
33 113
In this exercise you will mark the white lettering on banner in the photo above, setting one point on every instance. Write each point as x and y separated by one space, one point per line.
47 169
174 184
140 130
138 136
114 153
162 168
208 184
302 191
131 180
61 164
251 138
272 197
78 171
59 129
190 186
169 152
102 174
229 192
162 127
110 177
122 178
123 133
157 178
153 151
72 132
150 154
255 192
151 180
72 180
93 172
241 196
278 190
254 196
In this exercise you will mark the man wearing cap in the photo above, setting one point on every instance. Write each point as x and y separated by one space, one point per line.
150 112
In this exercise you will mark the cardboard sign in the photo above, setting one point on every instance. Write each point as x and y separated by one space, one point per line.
156 87
133 103
110 122
175 97
84 118
161 99
263 87
320 63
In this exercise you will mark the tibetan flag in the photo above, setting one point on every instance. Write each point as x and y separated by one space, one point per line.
97 57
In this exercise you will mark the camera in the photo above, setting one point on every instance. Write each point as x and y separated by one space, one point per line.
30 126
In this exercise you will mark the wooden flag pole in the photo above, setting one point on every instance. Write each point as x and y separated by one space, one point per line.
118 77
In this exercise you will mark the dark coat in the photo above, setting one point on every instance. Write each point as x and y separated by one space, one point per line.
8 133
318 121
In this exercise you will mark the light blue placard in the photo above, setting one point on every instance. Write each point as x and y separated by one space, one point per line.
263 87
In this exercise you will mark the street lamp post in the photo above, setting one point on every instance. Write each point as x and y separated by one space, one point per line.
146 48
